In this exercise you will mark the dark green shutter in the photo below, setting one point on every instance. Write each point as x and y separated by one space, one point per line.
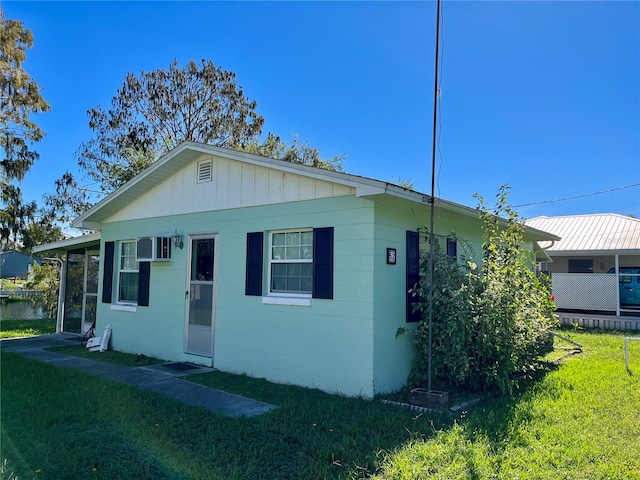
452 248
413 273
323 262
107 272
144 280
255 255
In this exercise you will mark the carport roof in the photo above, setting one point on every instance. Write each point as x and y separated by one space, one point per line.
91 239
596 234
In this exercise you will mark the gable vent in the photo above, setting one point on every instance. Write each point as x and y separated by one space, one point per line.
205 171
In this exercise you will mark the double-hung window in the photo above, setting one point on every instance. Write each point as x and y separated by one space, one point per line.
291 262
299 265
127 273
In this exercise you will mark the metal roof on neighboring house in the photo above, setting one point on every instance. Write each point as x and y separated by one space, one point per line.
606 233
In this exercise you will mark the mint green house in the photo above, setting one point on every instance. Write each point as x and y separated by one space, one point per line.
260 266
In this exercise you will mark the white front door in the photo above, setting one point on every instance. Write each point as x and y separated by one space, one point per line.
201 292
90 302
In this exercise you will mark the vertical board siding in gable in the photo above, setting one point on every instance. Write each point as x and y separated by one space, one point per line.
235 180
322 189
223 188
261 186
235 184
275 182
168 195
246 186
306 189
290 190
198 190
177 205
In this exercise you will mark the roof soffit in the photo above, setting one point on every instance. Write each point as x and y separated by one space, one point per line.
188 152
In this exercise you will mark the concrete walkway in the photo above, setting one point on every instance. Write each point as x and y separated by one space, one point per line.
164 379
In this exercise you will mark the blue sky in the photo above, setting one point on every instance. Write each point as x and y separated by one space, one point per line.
543 96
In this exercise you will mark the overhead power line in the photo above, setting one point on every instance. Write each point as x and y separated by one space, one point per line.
577 196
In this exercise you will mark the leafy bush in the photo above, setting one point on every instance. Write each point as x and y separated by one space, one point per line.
487 324
45 278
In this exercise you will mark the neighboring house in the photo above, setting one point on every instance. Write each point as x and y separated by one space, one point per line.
593 264
16 264
265 267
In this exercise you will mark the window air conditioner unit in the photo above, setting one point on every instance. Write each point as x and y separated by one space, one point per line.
153 249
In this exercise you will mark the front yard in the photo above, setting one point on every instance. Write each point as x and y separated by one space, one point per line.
579 421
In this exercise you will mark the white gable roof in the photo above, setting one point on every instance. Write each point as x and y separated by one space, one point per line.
591 234
188 152
112 206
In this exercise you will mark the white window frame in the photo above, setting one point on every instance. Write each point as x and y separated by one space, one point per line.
296 298
126 270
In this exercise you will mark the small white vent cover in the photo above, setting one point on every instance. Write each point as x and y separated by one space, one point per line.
205 171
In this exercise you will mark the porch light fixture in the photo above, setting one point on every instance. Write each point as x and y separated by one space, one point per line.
177 240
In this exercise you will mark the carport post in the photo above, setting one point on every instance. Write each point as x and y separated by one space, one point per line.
617 285
61 291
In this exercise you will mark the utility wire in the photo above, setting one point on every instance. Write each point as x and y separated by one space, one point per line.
577 196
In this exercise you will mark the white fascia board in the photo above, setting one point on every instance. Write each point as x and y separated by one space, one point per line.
83 220
68 244
364 186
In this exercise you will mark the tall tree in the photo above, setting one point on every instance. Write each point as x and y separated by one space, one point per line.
14 216
20 97
295 151
153 113
41 229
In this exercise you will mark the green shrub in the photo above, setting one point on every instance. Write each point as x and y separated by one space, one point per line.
487 324
45 278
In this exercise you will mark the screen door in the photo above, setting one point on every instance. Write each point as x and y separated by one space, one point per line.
201 295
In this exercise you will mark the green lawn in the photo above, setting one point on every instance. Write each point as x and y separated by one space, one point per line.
579 421
110 356
26 328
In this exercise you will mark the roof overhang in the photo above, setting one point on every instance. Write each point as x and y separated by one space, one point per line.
541 255
187 152
89 240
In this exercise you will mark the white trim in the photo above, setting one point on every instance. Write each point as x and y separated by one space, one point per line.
301 301
124 308
271 261
120 270
189 283
69 243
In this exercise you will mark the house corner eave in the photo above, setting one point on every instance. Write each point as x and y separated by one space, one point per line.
85 224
